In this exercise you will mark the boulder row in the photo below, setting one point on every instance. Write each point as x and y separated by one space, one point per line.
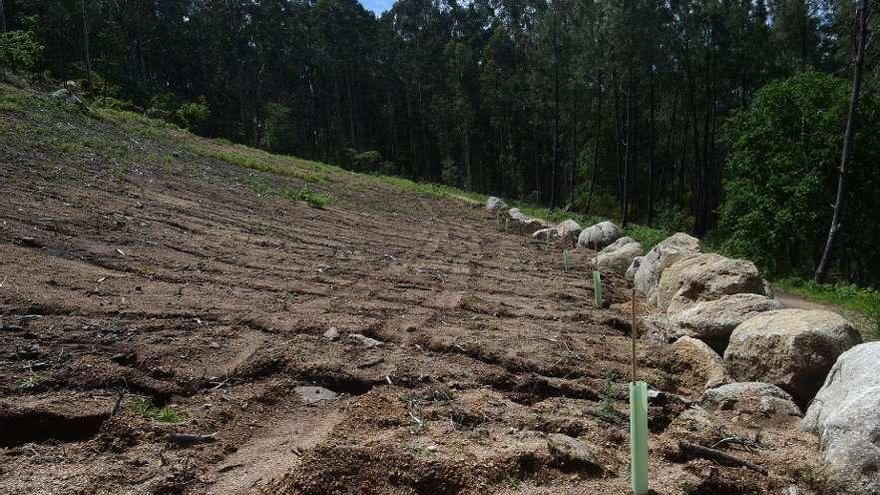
790 348
704 277
714 321
599 235
660 257
619 255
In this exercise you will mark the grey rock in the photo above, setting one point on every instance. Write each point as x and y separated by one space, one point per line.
704 277
790 348
544 234
660 257
633 268
569 230
618 256
714 321
655 328
571 452
331 334
599 235
845 416
702 360
765 399
314 395
364 341
493 203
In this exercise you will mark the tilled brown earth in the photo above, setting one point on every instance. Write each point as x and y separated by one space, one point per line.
126 279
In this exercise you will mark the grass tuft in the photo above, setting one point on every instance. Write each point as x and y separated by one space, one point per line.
143 407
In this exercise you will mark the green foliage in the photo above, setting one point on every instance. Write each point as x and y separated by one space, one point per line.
782 165
279 131
193 116
294 194
606 405
367 160
32 382
648 236
20 50
271 164
143 407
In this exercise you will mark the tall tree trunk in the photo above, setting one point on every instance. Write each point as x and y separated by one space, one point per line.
553 185
2 18
597 132
86 55
858 62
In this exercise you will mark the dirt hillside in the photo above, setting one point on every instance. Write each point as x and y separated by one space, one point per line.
154 283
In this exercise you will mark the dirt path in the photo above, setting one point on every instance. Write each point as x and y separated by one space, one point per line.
136 266
794 301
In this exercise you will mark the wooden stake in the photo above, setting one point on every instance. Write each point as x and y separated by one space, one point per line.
634 336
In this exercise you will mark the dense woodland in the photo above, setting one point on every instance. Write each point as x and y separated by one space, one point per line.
722 117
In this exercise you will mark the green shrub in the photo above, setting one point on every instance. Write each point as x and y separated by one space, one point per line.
279 132
367 161
193 116
20 50
143 407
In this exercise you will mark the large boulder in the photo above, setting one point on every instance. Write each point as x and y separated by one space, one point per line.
618 256
845 416
714 321
569 230
755 398
790 348
704 277
599 235
702 363
493 203
660 257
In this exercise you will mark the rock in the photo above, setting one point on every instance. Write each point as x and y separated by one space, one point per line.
599 235
656 328
714 321
571 452
545 234
314 395
753 397
69 97
704 277
633 268
661 256
844 416
617 256
569 230
331 334
493 203
790 348
522 223
705 363
364 341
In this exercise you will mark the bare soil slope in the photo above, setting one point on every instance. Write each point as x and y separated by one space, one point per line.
140 264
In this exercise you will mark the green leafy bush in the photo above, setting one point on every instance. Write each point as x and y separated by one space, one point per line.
193 116
20 50
279 131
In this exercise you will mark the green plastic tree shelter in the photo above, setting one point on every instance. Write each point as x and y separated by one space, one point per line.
597 288
638 419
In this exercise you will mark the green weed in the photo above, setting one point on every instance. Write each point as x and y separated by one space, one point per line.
31 382
143 407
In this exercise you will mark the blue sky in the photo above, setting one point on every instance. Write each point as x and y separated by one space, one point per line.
377 6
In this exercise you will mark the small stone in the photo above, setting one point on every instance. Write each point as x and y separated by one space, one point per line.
364 341
332 334
314 395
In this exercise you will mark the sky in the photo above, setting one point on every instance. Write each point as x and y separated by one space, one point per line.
377 6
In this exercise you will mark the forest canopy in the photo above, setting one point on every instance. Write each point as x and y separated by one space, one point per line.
723 118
